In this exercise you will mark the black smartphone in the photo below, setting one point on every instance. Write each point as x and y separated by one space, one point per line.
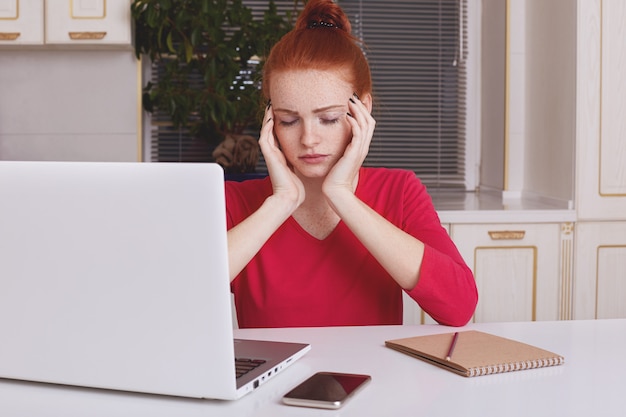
326 390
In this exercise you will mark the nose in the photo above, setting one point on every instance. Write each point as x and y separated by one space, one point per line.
309 136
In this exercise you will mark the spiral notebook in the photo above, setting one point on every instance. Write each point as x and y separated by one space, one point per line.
475 353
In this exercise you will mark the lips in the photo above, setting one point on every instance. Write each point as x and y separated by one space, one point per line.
313 158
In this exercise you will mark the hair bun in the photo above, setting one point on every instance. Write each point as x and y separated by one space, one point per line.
324 14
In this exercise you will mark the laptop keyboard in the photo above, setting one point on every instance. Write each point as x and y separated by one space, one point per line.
245 365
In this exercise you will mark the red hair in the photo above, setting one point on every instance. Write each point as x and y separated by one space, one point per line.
321 40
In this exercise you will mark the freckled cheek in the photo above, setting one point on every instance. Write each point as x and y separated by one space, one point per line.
347 135
286 140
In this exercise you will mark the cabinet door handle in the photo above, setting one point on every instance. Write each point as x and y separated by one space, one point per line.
9 36
507 234
79 36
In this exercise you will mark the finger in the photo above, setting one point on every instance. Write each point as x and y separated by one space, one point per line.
357 120
361 112
363 117
267 128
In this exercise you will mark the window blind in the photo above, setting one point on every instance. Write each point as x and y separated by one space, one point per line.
417 54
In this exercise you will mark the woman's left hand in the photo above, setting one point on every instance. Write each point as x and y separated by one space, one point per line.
344 175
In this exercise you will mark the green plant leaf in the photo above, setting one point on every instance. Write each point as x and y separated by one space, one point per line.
170 43
200 47
188 52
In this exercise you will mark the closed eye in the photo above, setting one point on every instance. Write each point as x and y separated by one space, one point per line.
288 123
329 121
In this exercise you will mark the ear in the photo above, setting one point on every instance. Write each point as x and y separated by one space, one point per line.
367 101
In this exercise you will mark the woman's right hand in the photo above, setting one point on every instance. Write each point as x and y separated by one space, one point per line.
286 185
246 239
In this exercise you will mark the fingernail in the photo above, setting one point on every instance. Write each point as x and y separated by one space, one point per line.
350 115
355 95
269 120
352 101
269 104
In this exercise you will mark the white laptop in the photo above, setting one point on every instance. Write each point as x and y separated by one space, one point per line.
115 276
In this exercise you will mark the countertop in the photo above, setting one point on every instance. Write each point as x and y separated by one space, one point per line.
458 207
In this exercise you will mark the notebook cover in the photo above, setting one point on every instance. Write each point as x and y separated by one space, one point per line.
476 353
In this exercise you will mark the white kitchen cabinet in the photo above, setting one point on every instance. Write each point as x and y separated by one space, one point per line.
522 271
601 110
21 22
600 262
93 22
65 22
600 270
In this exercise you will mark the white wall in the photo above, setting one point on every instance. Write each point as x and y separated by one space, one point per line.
59 104
493 30
550 102
529 99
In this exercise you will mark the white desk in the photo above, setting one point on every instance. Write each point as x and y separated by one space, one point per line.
591 383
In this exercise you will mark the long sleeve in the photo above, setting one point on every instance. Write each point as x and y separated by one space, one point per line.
446 288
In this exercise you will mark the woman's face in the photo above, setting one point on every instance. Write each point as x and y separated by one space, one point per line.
310 109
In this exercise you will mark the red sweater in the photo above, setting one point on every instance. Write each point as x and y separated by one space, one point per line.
296 280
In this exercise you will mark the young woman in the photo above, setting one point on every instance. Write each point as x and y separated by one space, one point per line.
324 241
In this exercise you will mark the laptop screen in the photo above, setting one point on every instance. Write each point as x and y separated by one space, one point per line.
115 275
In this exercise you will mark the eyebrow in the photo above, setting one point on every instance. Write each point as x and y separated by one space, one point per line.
337 107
